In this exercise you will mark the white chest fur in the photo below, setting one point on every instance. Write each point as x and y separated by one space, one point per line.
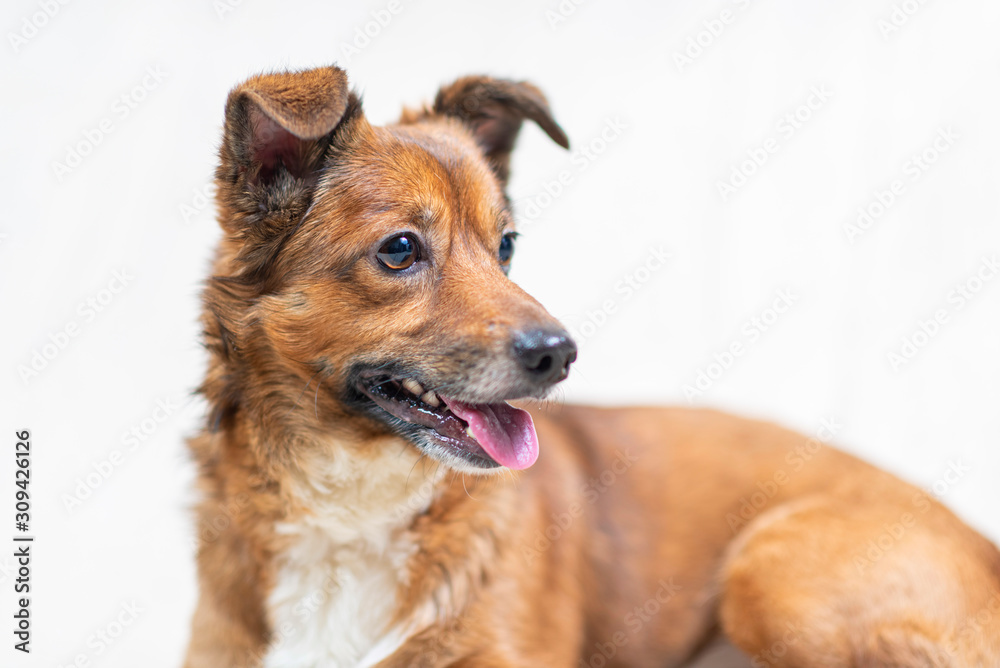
330 607
337 583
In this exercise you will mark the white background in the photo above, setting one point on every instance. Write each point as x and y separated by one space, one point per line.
134 204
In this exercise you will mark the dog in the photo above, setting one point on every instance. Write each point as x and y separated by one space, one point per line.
368 496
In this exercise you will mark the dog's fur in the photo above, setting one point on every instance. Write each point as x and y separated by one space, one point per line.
328 538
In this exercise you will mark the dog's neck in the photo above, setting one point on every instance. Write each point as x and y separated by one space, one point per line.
347 549
360 500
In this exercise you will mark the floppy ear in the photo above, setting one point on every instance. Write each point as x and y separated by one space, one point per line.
278 128
494 110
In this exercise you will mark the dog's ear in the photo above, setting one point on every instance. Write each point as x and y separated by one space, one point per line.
278 128
494 110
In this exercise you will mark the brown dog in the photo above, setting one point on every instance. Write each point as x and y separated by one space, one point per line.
364 341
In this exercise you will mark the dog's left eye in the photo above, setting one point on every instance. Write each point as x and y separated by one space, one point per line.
507 250
399 252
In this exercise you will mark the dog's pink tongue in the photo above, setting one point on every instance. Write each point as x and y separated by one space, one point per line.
507 434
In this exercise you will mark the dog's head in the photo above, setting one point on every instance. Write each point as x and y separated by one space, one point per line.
363 276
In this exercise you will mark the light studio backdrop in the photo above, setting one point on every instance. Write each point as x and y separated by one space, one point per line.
784 209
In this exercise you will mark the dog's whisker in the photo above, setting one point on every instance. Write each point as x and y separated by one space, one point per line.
406 486
299 398
316 402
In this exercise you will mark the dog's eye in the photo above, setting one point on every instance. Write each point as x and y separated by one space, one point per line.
399 252
507 249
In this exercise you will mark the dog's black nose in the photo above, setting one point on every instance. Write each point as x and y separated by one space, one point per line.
545 355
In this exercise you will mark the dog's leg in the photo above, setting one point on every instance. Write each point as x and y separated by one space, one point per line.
229 627
828 583
431 650
480 661
218 640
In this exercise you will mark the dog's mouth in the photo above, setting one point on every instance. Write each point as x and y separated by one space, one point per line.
484 435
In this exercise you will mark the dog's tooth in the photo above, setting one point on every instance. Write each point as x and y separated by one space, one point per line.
413 386
431 399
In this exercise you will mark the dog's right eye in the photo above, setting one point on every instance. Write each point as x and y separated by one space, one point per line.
399 252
